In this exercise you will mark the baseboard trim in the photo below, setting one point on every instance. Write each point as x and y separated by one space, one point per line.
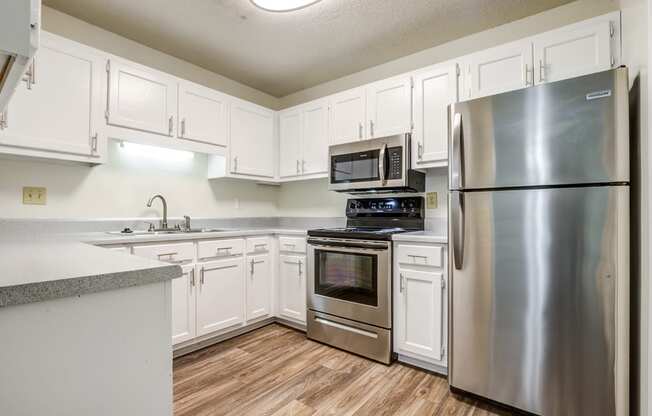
425 365
199 344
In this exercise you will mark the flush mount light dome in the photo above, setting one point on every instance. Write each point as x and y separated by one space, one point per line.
283 5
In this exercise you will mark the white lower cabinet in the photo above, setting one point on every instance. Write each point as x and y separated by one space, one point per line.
292 287
258 286
220 295
420 308
183 305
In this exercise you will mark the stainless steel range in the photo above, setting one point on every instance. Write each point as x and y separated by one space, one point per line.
350 275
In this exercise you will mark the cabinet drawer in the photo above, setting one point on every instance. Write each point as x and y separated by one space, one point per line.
220 248
258 245
420 255
292 244
169 253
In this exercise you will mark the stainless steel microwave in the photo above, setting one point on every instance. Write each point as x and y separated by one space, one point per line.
379 165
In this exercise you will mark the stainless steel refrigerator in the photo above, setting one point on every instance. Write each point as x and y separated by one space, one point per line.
539 246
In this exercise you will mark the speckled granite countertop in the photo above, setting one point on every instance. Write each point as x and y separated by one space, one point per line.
41 269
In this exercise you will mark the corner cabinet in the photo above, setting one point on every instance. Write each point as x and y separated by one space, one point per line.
141 98
420 304
252 140
303 137
435 88
57 112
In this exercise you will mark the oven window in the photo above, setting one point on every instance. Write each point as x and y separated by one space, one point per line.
355 167
347 276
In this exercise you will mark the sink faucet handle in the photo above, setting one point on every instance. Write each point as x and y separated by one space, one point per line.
150 227
186 219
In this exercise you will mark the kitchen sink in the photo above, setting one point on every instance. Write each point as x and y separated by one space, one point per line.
129 232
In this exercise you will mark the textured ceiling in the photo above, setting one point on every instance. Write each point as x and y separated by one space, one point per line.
281 53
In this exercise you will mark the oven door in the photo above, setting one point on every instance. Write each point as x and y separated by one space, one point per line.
351 279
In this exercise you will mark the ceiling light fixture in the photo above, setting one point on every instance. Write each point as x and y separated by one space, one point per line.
283 5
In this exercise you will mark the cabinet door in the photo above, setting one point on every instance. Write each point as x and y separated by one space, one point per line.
259 286
61 108
141 98
290 142
434 90
347 116
292 281
183 305
220 299
252 140
503 68
573 51
315 138
420 315
202 114
389 107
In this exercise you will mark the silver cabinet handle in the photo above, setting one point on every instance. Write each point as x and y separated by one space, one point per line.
170 125
381 164
33 80
457 223
371 128
542 71
420 150
527 75
4 120
252 267
201 276
192 278
360 127
167 254
303 166
94 143
183 127
457 170
235 163
298 166
29 75
300 264
401 283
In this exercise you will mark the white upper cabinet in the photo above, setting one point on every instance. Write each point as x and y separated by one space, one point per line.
203 114
434 89
57 112
141 98
347 116
220 298
389 107
290 155
577 50
304 140
500 69
258 286
252 144
315 138
183 305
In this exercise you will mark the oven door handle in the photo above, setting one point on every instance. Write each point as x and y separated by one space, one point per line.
348 247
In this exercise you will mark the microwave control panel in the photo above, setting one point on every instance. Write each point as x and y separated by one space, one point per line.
395 156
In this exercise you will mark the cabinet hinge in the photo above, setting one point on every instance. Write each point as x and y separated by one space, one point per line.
612 29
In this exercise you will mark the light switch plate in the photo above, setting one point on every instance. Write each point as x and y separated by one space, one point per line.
431 200
34 195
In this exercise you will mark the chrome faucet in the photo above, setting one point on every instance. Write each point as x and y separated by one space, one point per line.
164 221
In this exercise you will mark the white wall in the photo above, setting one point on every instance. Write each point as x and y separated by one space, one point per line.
120 188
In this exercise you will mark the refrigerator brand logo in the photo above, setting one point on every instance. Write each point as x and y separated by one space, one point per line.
598 94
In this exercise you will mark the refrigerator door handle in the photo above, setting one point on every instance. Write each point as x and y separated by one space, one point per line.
457 168
457 222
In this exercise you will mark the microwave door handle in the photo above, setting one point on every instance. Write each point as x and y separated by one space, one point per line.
457 224
457 171
381 164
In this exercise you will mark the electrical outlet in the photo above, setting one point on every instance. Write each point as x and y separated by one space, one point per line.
431 200
34 195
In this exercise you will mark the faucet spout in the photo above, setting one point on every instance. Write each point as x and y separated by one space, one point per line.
164 221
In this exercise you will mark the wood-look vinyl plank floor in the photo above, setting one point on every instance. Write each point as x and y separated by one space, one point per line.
276 371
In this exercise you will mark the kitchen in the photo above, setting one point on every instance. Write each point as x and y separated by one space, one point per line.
244 154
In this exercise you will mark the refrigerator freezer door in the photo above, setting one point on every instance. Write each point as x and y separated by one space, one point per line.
533 297
567 132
